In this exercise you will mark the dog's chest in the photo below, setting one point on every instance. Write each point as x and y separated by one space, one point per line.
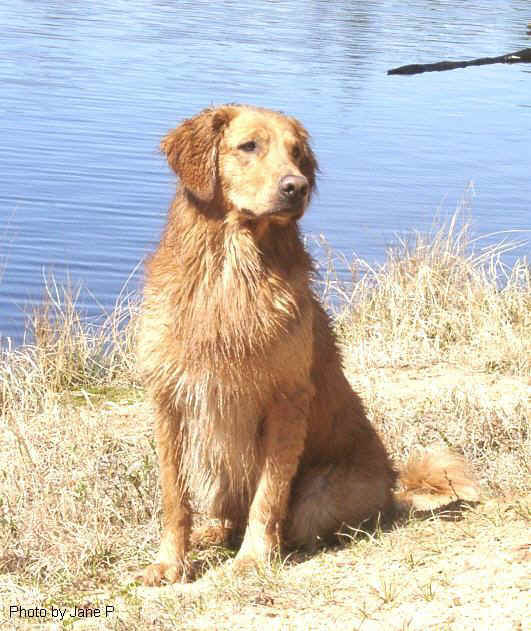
222 416
220 446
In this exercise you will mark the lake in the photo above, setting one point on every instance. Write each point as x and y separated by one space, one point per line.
88 89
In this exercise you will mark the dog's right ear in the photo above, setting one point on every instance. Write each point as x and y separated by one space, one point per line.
191 150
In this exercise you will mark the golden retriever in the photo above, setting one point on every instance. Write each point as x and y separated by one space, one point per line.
255 420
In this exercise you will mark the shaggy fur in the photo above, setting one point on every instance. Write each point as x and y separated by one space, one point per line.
255 419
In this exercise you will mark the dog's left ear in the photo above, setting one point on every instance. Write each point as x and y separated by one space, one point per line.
308 163
191 150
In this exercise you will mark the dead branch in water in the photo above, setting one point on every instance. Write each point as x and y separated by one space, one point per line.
520 56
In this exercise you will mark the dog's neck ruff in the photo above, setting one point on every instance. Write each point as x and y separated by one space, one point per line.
235 295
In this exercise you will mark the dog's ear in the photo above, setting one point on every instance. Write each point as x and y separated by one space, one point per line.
191 150
308 163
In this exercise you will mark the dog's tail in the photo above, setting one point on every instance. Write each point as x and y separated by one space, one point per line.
434 480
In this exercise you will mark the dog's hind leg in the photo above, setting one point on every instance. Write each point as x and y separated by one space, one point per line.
325 498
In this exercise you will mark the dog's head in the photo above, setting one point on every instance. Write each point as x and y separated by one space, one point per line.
257 162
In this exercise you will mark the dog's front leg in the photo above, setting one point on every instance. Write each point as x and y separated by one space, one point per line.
282 445
171 565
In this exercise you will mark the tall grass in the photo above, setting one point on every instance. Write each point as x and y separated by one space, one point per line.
437 298
69 353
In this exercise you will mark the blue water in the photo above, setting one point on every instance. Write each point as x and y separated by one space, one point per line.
88 88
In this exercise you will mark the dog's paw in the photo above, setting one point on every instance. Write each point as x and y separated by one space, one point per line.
245 564
209 536
255 559
160 573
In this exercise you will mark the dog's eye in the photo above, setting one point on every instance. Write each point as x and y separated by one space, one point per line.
296 152
248 146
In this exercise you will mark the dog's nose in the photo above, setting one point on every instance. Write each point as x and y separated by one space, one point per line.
293 187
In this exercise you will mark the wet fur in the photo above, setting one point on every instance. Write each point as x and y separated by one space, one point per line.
255 419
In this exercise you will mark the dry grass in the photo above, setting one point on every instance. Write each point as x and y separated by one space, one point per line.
437 298
70 355
438 342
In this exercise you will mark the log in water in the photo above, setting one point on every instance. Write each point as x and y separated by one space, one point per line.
520 56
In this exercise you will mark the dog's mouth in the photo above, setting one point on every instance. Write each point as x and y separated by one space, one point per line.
283 214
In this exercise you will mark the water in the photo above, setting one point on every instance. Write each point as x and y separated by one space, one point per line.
88 89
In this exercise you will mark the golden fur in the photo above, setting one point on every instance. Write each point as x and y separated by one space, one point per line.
255 419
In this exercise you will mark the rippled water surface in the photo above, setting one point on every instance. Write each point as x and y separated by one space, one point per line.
88 88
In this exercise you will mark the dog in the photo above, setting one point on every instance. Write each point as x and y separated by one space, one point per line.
255 421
